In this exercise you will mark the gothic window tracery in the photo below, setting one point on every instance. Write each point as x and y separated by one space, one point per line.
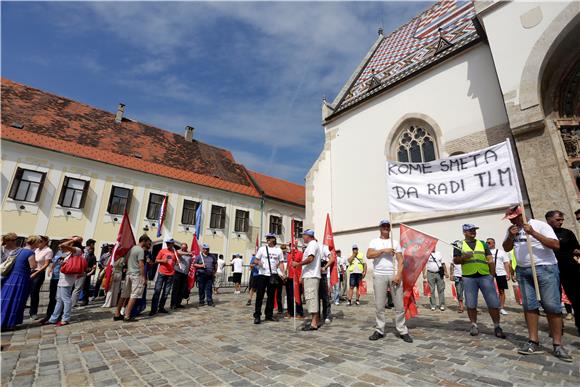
416 143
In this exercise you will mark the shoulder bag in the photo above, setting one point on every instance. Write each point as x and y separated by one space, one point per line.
8 264
274 277
75 264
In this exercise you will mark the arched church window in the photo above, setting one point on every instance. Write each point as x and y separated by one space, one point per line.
416 144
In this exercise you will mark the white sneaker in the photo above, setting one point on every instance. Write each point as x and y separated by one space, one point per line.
337 303
327 321
433 308
503 312
442 308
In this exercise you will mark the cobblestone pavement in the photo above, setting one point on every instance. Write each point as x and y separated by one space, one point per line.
221 346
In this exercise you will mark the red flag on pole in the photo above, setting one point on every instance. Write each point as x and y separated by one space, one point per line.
125 240
257 243
195 252
417 247
454 292
295 272
329 241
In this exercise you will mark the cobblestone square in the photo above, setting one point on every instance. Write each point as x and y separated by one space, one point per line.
221 346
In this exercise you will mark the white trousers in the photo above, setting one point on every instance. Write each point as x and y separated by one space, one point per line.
380 285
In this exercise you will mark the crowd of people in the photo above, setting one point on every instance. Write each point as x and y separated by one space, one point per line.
476 266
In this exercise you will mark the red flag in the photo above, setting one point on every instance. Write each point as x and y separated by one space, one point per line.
125 240
195 252
329 241
454 292
416 293
257 244
426 289
295 272
417 247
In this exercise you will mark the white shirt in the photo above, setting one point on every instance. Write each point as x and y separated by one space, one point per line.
312 270
342 263
457 270
385 264
68 279
542 254
220 265
237 263
435 262
325 257
502 257
275 257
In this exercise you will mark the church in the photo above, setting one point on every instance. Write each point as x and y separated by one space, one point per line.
459 77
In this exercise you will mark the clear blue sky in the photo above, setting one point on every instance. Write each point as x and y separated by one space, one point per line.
249 77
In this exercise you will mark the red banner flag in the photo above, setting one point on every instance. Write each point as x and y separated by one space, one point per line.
125 240
295 272
257 244
329 241
417 247
454 292
195 252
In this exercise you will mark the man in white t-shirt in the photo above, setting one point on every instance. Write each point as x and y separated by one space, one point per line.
543 242
237 270
457 278
502 269
311 260
434 273
268 259
219 274
387 259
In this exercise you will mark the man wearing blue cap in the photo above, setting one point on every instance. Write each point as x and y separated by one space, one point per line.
206 267
477 268
268 259
387 258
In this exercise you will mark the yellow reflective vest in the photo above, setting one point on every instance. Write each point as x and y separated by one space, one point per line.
478 262
358 260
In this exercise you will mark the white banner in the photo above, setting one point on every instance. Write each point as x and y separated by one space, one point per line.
481 179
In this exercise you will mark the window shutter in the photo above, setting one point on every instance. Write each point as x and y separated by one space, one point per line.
16 183
247 221
85 193
223 218
40 187
129 197
63 191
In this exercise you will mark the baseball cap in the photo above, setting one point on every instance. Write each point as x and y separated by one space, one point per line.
170 240
469 226
270 235
384 222
513 211
355 246
205 246
308 232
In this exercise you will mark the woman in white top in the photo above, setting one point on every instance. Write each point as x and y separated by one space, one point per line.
43 255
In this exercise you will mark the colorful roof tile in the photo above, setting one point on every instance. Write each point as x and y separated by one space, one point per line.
280 189
37 118
434 34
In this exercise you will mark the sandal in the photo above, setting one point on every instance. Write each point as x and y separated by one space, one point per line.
309 328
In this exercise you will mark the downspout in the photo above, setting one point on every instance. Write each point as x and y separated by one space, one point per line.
262 201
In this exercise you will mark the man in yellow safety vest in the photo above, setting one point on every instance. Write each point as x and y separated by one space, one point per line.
477 269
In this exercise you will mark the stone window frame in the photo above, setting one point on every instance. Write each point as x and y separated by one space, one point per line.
402 125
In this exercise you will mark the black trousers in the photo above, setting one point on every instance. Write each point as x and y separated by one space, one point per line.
52 297
290 299
263 286
87 289
179 287
570 281
279 290
324 296
36 284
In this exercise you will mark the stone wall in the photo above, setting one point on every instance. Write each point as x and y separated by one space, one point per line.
478 140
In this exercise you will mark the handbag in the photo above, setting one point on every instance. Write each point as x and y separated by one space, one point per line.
8 264
75 264
274 277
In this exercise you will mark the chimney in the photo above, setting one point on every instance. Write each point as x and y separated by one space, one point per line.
120 112
381 31
189 133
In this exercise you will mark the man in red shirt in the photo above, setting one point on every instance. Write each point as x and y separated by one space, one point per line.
293 255
166 258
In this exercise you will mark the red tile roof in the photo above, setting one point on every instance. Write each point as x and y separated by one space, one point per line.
280 189
62 125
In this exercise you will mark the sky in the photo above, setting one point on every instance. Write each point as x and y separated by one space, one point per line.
249 76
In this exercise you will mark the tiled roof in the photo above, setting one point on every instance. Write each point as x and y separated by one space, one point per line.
62 125
411 47
280 189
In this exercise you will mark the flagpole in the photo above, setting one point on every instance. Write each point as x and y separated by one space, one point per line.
525 219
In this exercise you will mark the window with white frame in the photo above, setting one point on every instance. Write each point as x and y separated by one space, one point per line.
416 143
154 206
27 185
218 217
119 200
188 212
73 193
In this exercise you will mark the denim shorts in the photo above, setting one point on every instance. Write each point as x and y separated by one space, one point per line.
485 283
549 282
355 279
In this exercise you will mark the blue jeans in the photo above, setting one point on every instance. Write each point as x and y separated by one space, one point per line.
205 284
63 304
549 283
459 288
336 293
484 283
162 289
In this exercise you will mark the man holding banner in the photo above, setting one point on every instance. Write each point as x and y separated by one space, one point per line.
477 268
544 241
387 272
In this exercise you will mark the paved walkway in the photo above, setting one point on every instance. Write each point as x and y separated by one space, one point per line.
221 346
